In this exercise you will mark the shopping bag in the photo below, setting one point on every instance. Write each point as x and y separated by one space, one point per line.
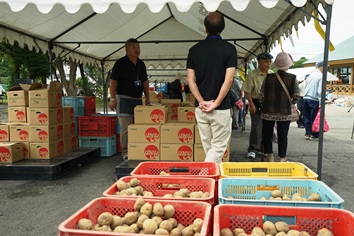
294 113
316 123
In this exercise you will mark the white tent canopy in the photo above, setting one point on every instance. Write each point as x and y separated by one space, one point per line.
302 72
95 31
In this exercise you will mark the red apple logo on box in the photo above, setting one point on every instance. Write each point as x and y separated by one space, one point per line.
20 115
185 135
152 135
151 152
174 107
43 118
59 99
43 135
43 152
71 114
3 135
174 117
185 153
4 154
60 131
60 115
60 147
23 135
190 116
72 128
157 116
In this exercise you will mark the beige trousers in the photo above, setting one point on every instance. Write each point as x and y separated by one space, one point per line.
215 132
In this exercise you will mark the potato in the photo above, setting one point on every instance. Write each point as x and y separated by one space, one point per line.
168 195
121 185
148 194
146 209
255 234
135 228
269 228
139 202
282 226
134 182
324 232
315 197
139 190
205 195
263 198
188 231
84 223
237 231
226 232
304 233
141 220
123 229
180 226
167 225
106 228
158 220
105 218
296 198
242 234
169 211
176 232
276 193
281 234
195 195
149 226
161 232
293 232
131 191
173 222
258 230
197 225
117 221
131 217
158 209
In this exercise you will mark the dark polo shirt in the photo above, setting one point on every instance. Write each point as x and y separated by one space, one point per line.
209 59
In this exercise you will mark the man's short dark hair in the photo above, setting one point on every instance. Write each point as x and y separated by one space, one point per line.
214 23
131 40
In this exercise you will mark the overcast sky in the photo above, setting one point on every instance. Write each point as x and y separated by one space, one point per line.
310 43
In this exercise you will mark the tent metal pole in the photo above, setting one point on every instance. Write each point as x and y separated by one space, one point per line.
323 95
50 47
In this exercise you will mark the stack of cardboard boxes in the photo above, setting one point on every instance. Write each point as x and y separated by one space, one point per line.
38 122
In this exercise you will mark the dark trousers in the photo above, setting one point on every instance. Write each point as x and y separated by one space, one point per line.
310 112
300 106
267 133
255 141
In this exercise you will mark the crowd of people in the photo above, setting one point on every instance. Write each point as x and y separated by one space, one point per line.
222 100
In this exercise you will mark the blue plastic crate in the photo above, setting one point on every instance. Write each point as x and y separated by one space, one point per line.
78 103
107 145
250 190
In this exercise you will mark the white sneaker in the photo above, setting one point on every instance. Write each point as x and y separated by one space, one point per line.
251 155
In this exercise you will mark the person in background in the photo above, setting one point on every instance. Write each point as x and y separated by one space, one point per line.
276 106
176 90
236 88
211 65
127 83
312 99
251 87
300 104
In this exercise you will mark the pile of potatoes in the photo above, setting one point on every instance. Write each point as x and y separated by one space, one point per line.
133 188
279 228
146 219
277 195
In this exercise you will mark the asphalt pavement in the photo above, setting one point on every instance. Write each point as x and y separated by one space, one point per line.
36 208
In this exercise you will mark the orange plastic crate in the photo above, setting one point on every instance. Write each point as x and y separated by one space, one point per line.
185 213
340 222
156 185
181 169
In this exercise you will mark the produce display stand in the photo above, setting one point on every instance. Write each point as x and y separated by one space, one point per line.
339 221
51 169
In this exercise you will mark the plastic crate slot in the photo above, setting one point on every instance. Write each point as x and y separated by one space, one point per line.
179 170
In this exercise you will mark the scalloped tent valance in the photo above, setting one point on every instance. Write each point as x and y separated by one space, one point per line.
95 31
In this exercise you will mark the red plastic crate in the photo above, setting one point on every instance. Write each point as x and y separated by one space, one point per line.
97 125
185 213
156 185
181 169
90 105
339 221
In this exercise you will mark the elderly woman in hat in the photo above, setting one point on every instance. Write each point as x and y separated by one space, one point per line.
276 106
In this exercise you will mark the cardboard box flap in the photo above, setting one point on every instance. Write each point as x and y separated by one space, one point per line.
25 87
55 86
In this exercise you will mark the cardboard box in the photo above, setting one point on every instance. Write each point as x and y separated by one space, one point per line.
69 129
19 132
17 114
45 133
196 135
44 116
4 132
140 133
172 117
199 154
17 96
155 96
186 114
70 143
177 133
150 114
26 148
49 96
68 114
144 151
190 97
172 104
176 152
11 152
46 150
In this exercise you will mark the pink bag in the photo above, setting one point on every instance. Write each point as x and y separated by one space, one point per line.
316 123
239 104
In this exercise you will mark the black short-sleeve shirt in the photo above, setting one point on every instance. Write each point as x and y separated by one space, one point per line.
209 59
126 73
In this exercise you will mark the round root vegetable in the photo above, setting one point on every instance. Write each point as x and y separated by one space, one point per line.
237 231
131 217
105 218
281 234
158 220
188 231
197 225
139 202
117 221
258 230
293 232
84 223
161 232
173 222
167 225
121 185
158 209
324 232
276 193
169 211
226 232
282 226
149 226
146 209
134 182
303 233
176 232
269 228
141 220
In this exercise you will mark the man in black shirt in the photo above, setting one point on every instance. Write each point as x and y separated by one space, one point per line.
127 83
211 66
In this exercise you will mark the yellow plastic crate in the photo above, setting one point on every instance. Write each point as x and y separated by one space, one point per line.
282 170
